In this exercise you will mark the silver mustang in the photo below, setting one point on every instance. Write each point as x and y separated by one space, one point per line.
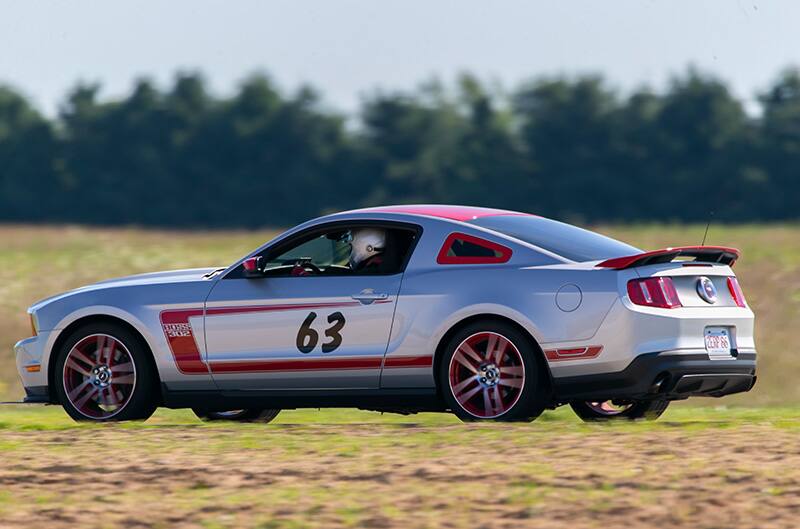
490 314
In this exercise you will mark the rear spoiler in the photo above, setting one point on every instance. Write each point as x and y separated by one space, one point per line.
705 254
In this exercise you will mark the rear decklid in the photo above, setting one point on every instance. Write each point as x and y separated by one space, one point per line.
691 282
688 276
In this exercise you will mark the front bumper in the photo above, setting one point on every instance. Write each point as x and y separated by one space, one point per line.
36 395
667 375
29 354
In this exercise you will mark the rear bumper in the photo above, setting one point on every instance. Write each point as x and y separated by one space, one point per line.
666 375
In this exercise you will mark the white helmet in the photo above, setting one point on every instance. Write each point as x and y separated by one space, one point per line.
366 242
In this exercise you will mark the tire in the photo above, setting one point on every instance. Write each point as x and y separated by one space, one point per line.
649 410
479 387
105 372
255 415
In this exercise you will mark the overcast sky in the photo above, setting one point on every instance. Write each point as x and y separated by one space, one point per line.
348 47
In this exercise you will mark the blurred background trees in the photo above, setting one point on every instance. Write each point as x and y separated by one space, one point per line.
571 148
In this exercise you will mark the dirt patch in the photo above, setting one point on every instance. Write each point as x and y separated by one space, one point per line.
386 476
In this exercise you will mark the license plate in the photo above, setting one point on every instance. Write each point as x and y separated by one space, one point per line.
718 342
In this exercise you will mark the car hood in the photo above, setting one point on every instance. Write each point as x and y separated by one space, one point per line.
169 276
152 278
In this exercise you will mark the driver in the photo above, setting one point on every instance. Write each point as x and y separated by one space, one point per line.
366 248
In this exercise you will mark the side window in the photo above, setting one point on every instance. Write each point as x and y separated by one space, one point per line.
460 248
326 252
357 250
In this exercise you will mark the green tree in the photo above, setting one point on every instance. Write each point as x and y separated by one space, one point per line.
779 148
700 129
567 130
571 148
27 151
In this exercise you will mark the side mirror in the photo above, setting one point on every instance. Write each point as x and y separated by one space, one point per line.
253 267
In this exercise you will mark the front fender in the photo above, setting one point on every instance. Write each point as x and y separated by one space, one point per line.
67 322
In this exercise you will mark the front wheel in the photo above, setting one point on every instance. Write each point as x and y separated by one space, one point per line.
491 371
104 372
252 415
609 410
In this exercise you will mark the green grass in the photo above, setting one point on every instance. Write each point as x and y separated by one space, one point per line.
36 262
695 468
53 418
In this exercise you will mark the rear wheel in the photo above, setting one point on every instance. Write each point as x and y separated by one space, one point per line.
491 371
104 372
610 410
253 415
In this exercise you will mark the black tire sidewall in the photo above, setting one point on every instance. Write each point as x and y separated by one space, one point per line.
248 415
641 409
144 398
531 402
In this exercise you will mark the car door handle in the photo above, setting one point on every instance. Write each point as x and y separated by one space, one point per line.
368 296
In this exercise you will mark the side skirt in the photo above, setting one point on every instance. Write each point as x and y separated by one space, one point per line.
388 400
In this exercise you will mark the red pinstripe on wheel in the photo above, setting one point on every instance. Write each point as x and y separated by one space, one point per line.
486 375
99 376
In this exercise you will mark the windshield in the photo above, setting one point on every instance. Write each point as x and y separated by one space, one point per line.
571 242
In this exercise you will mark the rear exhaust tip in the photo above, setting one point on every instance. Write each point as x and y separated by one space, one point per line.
660 383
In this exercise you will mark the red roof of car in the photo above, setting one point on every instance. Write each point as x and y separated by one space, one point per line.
461 213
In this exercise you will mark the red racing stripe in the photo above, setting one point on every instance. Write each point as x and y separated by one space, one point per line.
299 364
221 311
180 337
408 361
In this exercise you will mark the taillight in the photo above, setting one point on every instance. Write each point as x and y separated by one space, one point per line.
654 292
736 291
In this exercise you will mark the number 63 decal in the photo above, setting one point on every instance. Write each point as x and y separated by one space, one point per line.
308 338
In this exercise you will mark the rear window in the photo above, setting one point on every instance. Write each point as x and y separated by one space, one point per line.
571 242
460 248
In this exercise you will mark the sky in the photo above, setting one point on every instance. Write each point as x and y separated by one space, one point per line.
349 48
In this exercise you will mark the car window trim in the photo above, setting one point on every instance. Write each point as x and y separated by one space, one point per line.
309 233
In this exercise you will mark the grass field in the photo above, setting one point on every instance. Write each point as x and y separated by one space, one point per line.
37 262
696 468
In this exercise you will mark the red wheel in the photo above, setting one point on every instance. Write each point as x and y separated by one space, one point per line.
491 372
99 376
487 375
104 373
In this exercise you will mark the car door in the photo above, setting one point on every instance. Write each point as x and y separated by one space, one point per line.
300 331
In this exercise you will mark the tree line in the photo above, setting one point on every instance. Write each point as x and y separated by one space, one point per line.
572 148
